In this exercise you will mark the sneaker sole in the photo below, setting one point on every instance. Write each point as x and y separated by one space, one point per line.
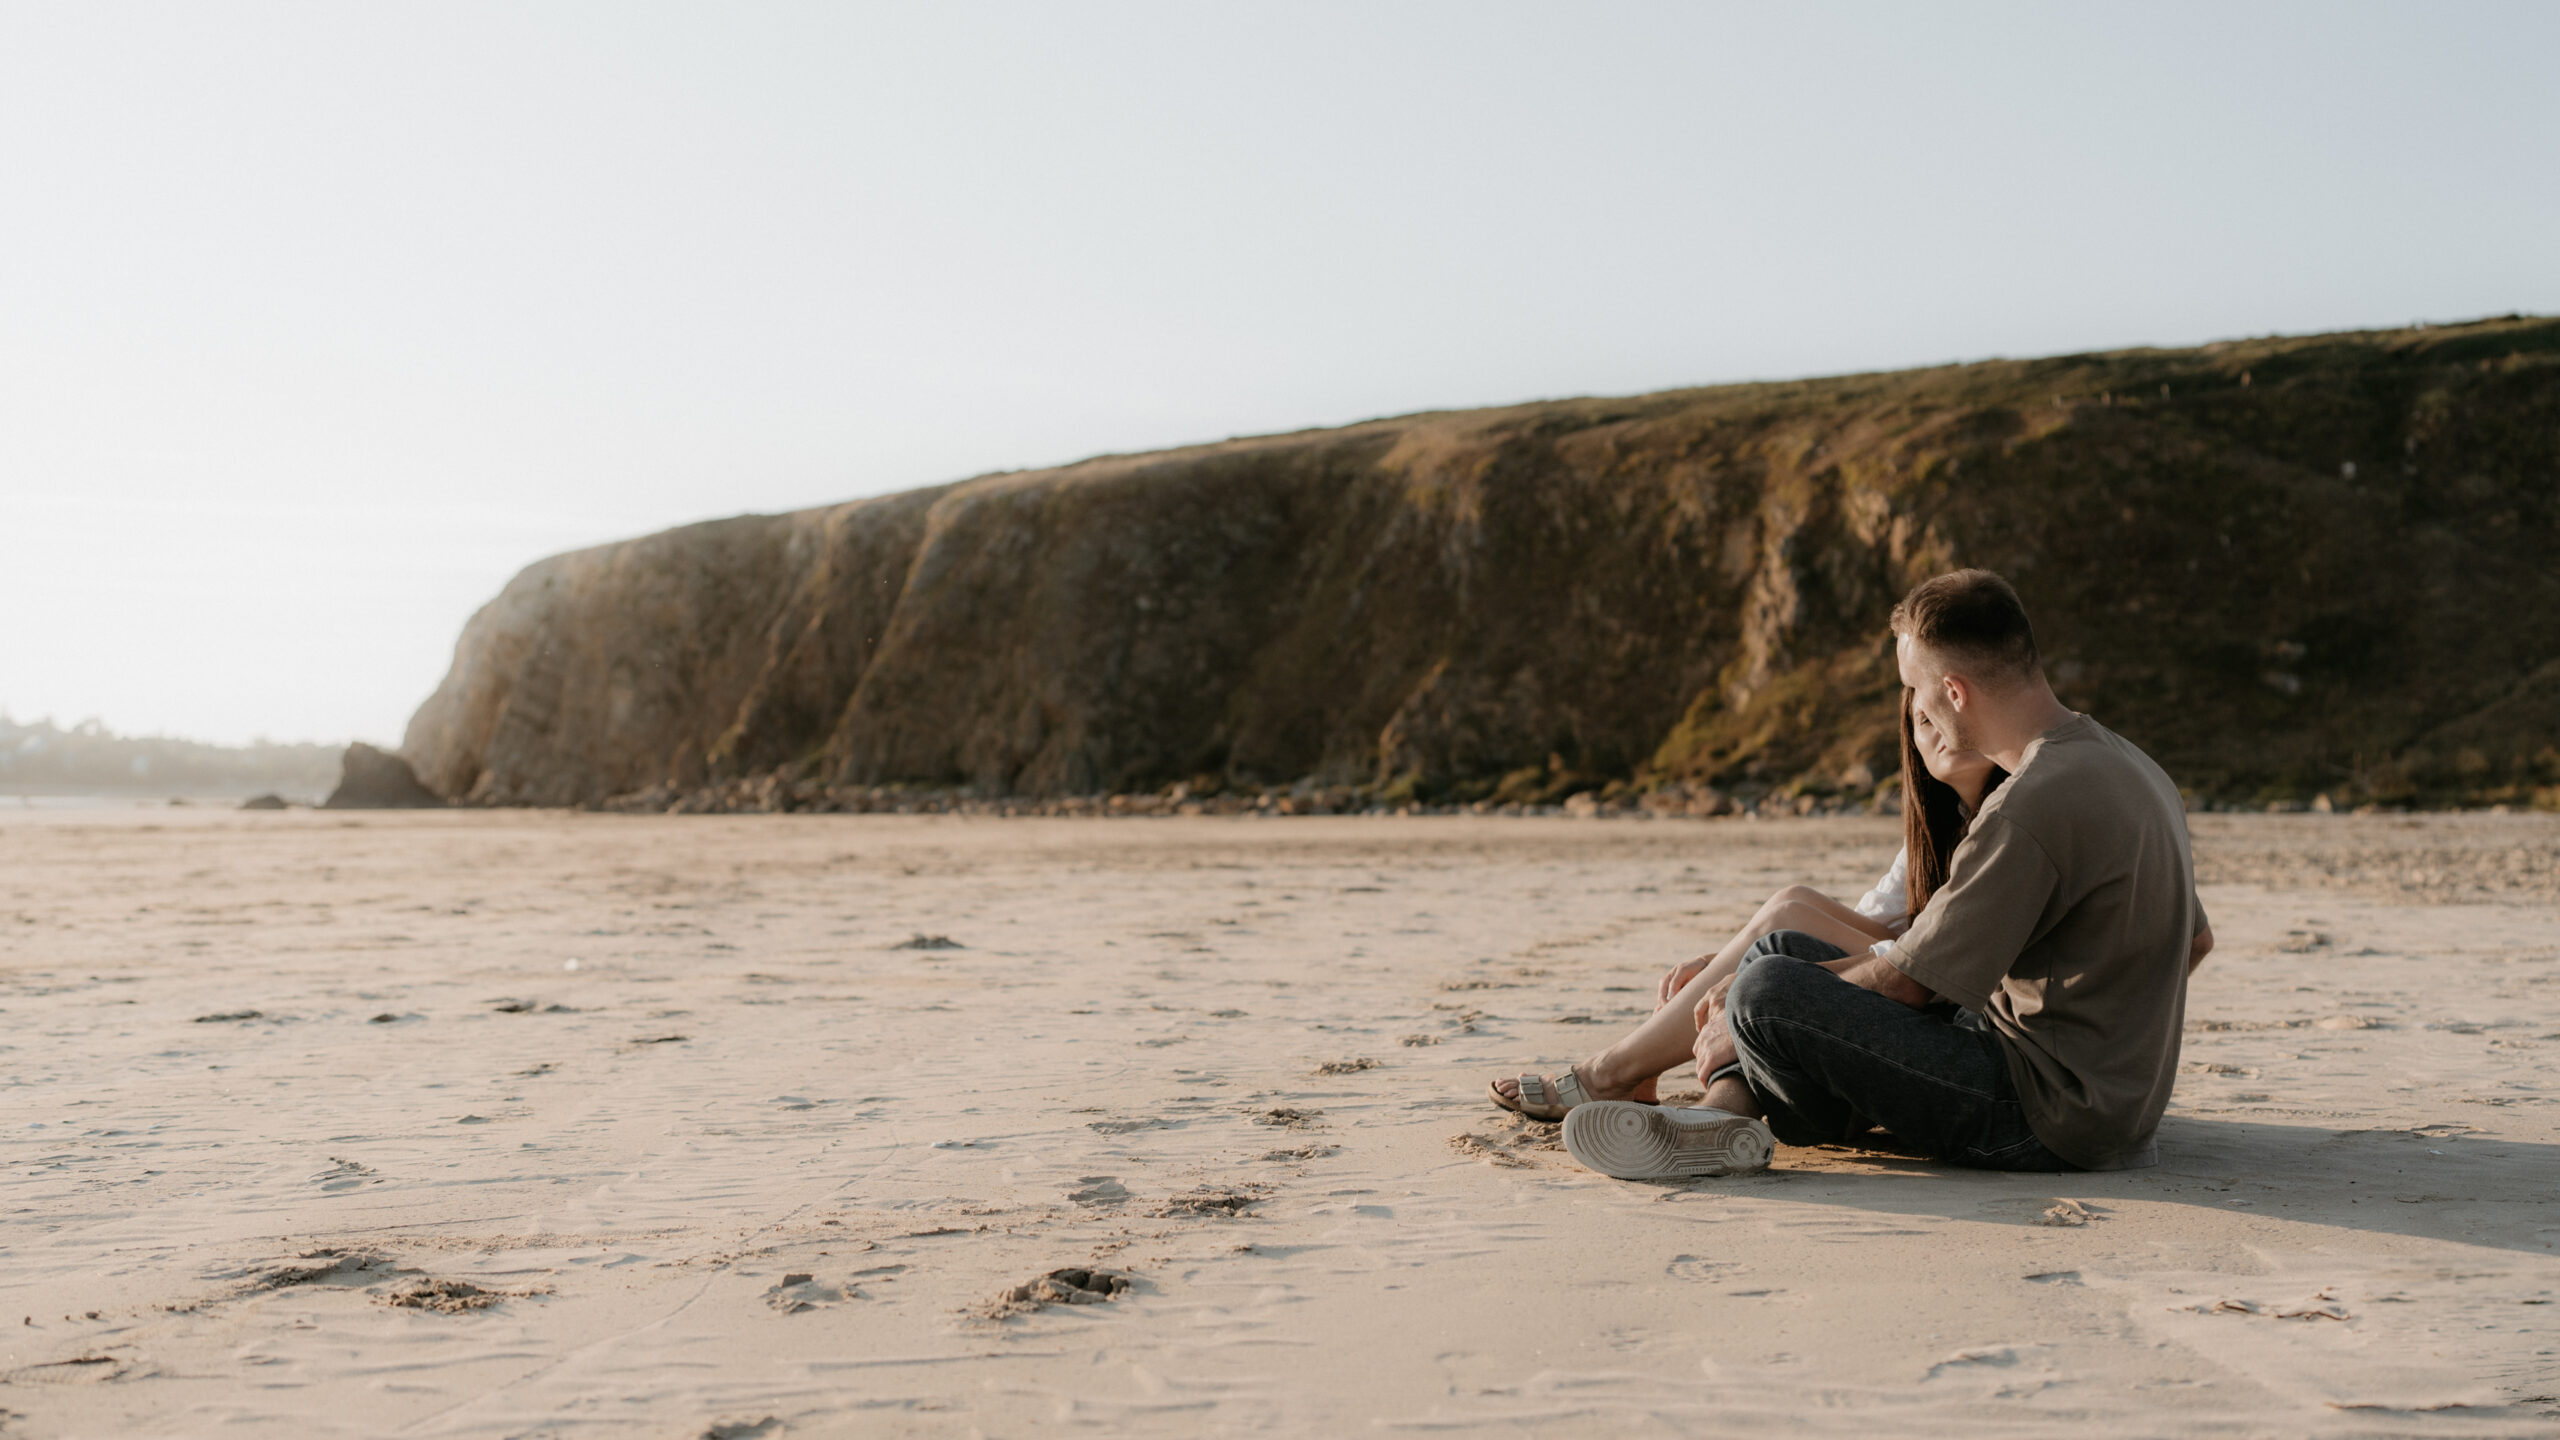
1627 1141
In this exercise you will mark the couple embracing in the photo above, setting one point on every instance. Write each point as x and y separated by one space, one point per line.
2010 995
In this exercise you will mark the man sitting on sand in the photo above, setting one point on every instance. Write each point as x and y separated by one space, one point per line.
2066 932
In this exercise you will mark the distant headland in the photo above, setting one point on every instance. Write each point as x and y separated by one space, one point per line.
2300 571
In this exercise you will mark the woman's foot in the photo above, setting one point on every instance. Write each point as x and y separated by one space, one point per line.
1577 1086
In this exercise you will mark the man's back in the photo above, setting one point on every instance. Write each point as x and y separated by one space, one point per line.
2067 922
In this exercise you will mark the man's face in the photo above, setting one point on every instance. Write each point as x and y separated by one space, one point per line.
1936 696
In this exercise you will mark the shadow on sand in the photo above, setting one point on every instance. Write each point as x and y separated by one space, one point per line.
2437 1182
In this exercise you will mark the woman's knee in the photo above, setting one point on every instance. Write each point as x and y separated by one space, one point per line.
1799 915
1790 909
1791 900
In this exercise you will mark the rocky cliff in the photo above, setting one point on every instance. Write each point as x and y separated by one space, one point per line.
2288 567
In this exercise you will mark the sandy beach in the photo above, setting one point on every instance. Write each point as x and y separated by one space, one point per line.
539 1123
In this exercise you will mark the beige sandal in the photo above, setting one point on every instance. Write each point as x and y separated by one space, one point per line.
1542 1097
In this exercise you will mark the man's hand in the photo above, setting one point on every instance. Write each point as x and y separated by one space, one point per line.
2202 947
1715 1040
1711 1004
1677 978
1874 972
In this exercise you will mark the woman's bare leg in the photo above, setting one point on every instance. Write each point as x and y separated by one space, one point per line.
1628 1068
1848 929
1671 1033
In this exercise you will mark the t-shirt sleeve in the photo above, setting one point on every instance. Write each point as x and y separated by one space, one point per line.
1999 883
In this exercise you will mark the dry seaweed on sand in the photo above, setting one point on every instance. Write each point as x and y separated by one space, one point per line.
1288 1117
1213 1201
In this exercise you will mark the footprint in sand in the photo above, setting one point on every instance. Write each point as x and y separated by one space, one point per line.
1977 1360
447 1297
368 1270
1074 1286
1698 1267
2036 1210
345 1175
340 1268
1479 1147
801 1291
78 1370
2068 1214
1098 1190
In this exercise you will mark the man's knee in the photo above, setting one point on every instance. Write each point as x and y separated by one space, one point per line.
1791 945
1765 989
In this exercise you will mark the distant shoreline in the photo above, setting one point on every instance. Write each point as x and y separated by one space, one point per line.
66 799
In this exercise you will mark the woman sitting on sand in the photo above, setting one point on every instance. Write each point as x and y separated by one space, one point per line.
1942 787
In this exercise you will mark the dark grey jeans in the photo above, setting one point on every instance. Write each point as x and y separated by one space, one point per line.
1817 1051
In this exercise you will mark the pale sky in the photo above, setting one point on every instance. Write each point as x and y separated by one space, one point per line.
319 321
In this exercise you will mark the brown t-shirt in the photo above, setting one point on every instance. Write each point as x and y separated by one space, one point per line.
2066 921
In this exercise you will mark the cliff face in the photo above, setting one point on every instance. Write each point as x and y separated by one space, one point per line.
2322 565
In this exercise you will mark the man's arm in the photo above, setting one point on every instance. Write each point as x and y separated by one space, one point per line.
1976 927
1871 971
1868 971
2202 947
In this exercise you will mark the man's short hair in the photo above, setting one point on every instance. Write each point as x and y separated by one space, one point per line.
1974 618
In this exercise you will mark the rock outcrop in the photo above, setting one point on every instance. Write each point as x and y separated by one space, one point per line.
371 779
2289 567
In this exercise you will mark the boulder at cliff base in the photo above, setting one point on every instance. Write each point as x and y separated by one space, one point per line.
371 779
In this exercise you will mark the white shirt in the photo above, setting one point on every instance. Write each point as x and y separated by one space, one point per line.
1889 903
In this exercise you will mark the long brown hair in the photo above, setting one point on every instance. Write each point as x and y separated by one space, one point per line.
1933 821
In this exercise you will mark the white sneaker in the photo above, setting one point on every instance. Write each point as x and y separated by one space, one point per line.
1656 1142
